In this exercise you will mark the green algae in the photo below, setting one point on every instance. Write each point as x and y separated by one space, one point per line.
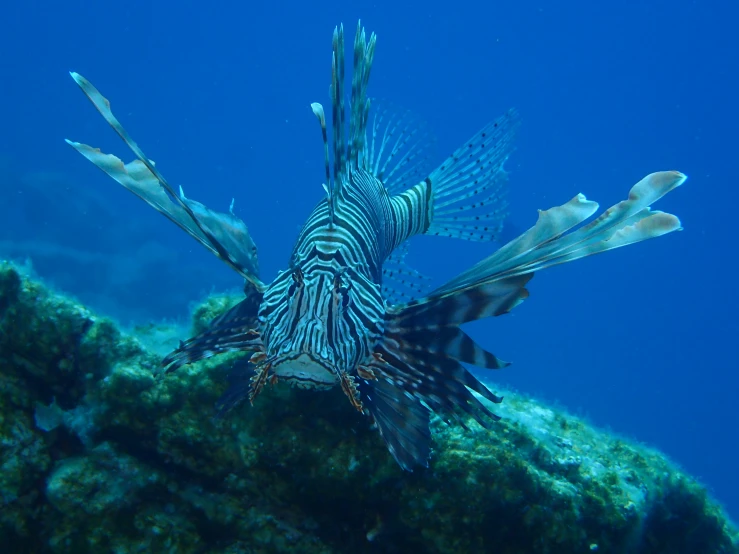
139 463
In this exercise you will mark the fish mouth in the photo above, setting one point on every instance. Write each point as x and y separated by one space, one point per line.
306 371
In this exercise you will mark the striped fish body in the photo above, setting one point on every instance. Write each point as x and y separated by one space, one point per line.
331 318
322 316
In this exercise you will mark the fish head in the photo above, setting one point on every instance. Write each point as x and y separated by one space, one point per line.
317 324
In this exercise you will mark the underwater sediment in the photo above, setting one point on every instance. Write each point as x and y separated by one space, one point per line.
98 453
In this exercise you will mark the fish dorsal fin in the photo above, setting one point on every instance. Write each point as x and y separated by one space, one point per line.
350 155
336 93
469 188
318 112
399 147
364 53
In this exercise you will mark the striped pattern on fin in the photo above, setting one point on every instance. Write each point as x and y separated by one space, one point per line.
422 349
364 53
426 354
403 421
497 284
207 227
337 106
347 155
469 187
232 331
449 341
419 360
398 148
239 385
463 305
440 381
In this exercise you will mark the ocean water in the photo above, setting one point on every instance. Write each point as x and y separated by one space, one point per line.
641 341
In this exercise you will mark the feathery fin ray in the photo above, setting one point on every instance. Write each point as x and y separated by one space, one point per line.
232 331
140 181
398 147
423 347
469 188
546 244
400 282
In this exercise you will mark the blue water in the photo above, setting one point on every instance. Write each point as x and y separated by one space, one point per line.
641 340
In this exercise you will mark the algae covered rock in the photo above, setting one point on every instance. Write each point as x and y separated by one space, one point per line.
101 453
103 480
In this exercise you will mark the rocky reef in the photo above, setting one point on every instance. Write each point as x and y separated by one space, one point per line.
100 454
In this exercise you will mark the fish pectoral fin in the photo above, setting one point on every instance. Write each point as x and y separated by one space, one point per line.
400 281
232 331
457 306
551 241
403 422
239 384
224 235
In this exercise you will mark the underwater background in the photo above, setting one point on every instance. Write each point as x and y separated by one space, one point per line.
642 341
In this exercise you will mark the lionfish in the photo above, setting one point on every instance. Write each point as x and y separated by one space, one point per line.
331 317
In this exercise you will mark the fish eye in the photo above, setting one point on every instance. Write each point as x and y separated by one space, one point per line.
345 297
298 281
342 288
338 280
